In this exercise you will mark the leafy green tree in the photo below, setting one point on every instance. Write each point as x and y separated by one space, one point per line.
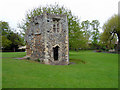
16 40
10 40
4 28
85 26
76 37
95 32
106 43
111 29
6 43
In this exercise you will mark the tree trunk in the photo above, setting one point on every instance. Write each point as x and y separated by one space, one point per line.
76 50
14 49
118 43
119 46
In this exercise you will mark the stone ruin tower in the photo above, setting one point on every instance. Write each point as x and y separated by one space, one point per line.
47 39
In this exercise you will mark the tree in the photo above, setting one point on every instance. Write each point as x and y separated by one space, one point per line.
106 43
91 32
5 42
76 37
111 29
10 40
4 28
85 26
16 40
95 32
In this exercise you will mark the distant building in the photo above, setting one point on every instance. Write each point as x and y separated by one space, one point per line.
22 47
47 39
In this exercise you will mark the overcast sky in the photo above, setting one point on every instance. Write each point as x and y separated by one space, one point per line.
13 11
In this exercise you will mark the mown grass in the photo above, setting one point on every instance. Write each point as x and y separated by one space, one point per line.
91 70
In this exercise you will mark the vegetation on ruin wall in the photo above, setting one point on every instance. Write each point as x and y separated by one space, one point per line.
91 70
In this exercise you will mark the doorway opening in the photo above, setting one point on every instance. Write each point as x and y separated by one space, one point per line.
55 53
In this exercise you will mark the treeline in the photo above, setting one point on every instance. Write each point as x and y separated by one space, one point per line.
82 35
10 40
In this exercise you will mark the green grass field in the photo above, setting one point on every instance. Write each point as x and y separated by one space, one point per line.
92 70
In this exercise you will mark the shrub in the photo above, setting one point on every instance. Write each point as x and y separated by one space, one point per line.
38 60
28 58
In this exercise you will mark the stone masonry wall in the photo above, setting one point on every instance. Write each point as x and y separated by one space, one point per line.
45 33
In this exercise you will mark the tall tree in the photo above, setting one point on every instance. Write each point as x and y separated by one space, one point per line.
10 40
85 26
95 32
6 43
15 39
106 43
111 28
4 30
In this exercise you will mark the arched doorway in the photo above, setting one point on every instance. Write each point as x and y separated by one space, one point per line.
55 53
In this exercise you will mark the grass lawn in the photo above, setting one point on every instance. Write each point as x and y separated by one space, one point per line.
92 70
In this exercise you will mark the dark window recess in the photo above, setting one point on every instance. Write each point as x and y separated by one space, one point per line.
48 31
54 25
48 21
36 23
55 53
56 19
